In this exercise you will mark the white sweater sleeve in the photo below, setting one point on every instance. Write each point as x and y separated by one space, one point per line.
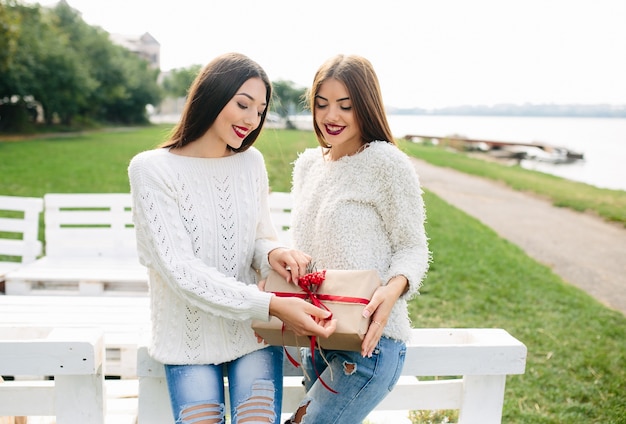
402 211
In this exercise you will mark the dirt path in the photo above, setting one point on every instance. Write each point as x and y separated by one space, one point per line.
584 250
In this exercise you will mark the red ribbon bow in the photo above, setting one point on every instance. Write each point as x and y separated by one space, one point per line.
311 283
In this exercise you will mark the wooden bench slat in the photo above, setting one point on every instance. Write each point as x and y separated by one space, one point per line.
60 352
125 275
465 352
23 398
93 269
22 248
19 217
74 357
13 225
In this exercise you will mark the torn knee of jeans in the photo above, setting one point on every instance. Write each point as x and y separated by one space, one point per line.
298 416
349 368
259 407
202 412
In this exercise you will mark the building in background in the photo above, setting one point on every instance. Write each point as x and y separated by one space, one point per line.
145 46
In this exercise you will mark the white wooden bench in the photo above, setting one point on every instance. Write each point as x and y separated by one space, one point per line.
74 357
124 321
19 232
90 246
90 249
482 357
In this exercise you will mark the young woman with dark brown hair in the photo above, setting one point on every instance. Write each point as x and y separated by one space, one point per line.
200 206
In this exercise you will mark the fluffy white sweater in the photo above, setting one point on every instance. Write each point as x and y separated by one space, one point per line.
363 212
203 230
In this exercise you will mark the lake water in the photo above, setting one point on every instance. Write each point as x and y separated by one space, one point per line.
601 140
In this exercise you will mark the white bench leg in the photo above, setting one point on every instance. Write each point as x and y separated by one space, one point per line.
154 402
80 399
483 398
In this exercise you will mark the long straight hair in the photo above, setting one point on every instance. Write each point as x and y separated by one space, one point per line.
359 77
216 84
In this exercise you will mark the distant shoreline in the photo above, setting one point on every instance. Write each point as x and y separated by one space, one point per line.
527 110
508 115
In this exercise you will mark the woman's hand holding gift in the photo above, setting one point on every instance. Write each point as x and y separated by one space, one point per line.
289 263
303 318
300 316
379 308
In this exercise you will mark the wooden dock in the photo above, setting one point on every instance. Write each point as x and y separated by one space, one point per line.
519 150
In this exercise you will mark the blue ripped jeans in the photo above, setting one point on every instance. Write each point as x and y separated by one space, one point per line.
255 388
361 383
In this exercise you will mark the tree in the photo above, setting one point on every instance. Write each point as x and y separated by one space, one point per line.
177 82
25 32
53 59
287 99
9 32
137 89
122 83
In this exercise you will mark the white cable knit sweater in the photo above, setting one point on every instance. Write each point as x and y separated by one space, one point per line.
363 212
203 227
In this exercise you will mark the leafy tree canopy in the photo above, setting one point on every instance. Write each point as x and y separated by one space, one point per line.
51 60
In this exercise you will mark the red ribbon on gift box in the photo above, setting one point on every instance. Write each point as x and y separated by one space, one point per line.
310 284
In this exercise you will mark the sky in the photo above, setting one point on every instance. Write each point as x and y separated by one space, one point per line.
427 53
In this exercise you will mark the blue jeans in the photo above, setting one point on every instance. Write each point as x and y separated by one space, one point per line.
361 383
255 387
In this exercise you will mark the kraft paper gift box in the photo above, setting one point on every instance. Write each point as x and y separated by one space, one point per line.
344 292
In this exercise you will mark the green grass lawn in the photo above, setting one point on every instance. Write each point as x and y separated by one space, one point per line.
576 366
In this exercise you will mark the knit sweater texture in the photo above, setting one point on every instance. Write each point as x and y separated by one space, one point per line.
363 212
204 232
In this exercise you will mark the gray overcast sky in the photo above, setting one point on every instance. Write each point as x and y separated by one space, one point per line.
427 53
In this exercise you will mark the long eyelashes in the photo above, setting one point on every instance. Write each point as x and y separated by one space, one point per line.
244 107
346 108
